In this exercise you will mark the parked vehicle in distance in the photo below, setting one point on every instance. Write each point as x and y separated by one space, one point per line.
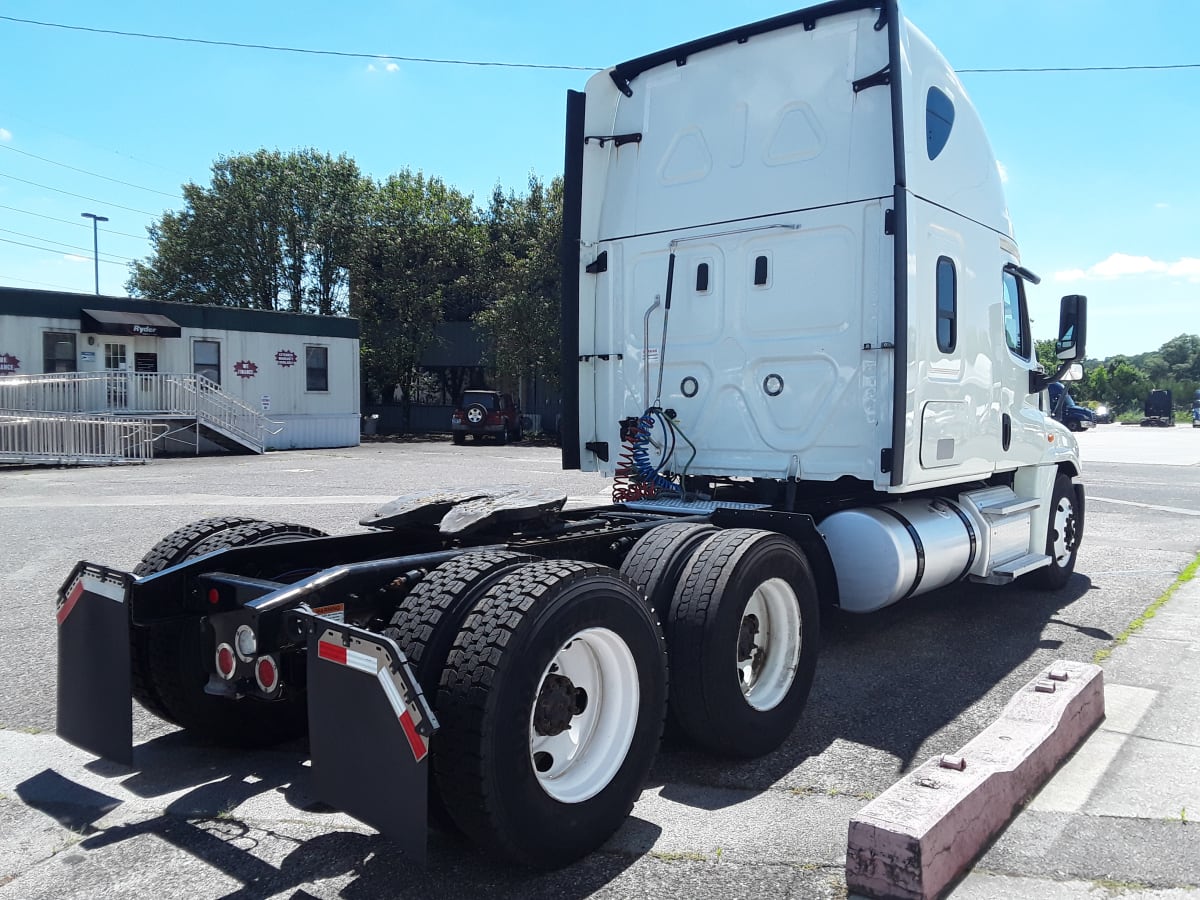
1064 409
486 414
1196 410
1159 410
1102 414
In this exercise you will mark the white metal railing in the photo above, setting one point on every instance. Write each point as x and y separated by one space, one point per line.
62 438
139 393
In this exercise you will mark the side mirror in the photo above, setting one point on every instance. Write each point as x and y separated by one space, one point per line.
1072 328
1074 373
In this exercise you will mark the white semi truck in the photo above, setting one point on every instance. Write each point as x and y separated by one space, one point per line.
796 337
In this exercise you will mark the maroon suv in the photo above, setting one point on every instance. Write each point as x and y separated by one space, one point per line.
486 413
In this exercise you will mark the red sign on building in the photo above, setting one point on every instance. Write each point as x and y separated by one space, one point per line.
245 369
8 364
286 358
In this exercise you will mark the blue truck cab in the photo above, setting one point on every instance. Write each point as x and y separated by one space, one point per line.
1064 408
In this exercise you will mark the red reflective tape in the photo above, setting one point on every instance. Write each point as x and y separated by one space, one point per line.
331 652
69 603
420 749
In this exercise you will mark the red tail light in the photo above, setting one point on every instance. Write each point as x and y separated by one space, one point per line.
266 673
226 661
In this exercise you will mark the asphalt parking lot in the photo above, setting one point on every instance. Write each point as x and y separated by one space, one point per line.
892 689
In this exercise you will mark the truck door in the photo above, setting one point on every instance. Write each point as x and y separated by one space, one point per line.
1022 423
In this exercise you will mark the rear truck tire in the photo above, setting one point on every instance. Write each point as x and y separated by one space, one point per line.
176 666
743 635
427 621
1063 535
657 561
459 439
551 707
175 548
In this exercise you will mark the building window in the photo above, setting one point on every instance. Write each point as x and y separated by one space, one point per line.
206 359
115 359
316 368
947 305
58 351
939 121
1016 329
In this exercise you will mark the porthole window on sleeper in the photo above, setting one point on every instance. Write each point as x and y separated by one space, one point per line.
760 271
702 278
939 121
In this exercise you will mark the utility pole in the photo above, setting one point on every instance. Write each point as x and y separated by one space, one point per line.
96 220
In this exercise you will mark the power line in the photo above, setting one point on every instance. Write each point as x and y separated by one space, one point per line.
46 240
80 196
28 212
45 283
138 159
507 65
93 174
305 50
1081 69
52 250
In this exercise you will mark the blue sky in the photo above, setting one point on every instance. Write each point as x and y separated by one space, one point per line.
1101 167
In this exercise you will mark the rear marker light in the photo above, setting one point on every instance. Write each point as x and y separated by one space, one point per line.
266 674
214 596
225 661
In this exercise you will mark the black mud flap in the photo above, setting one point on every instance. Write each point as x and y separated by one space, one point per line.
95 707
369 728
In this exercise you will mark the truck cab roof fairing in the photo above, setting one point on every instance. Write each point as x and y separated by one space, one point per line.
624 73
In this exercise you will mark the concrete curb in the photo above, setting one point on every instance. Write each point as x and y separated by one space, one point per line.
919 836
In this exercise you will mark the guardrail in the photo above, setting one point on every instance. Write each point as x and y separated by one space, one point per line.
139 393
70 438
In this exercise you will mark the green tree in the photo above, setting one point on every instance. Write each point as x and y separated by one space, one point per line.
271 231
417 253
522 316
1128 386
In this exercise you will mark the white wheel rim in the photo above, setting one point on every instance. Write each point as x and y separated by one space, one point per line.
579 761
770 639
1064 527
475 416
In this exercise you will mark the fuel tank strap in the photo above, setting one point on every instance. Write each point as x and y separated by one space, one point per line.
917 545
966 520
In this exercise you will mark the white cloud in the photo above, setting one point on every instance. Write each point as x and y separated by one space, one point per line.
71 257
5 134
392 67
1003 169
1162 205
1120 265
371 67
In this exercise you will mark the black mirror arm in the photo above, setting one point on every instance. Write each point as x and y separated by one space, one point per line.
1038 381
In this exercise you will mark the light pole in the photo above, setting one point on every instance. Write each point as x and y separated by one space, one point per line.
96 220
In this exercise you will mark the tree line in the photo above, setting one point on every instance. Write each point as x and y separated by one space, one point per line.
305 231
1122 382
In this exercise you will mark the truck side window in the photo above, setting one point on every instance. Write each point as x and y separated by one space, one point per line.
702 278
947 305
1016 333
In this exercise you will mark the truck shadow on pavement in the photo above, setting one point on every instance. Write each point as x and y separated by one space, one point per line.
278 844
919 678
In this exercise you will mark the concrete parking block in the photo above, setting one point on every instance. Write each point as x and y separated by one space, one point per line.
924 831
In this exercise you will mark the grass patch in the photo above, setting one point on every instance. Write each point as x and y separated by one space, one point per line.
1140 622
679 856
1120 887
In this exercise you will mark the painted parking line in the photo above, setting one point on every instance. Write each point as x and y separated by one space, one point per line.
1170 509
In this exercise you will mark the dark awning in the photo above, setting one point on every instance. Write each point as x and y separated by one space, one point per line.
107 321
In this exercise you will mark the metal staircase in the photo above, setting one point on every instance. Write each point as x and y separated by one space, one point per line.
186 406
